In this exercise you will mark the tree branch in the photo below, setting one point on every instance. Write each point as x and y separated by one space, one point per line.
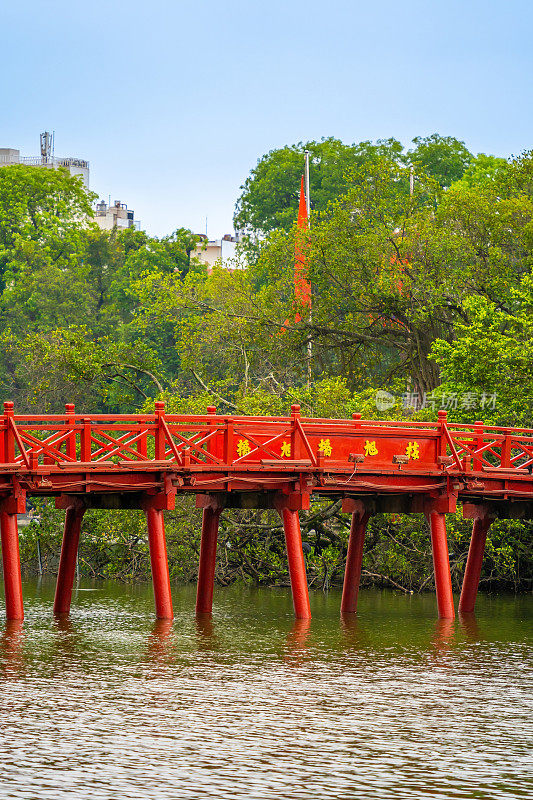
136 369
217 395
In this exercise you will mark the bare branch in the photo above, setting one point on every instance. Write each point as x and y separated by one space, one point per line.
136 369
217 395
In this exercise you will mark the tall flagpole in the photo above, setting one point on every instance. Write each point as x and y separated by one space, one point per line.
308 206
307 197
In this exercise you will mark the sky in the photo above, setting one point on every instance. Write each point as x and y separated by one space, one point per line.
173 102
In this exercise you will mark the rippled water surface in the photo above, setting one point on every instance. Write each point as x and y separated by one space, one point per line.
251 705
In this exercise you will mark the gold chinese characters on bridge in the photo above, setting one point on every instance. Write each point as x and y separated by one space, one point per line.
324 447
243 447
370 448
412 450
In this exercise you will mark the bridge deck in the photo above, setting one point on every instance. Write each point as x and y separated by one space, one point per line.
144 460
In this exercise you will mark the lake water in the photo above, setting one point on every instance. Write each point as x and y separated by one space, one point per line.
248 704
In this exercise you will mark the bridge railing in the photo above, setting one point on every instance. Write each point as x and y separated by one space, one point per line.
217 443
489 448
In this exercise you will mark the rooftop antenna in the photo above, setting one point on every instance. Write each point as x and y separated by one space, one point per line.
47 144
206 227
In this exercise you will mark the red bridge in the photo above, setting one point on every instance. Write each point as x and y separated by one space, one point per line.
143 460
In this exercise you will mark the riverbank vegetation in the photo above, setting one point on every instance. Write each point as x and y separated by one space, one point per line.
420 263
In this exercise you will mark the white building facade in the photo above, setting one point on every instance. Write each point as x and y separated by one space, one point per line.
224 251
117 215
47 159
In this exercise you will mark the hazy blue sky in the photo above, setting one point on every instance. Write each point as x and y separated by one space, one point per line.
174 102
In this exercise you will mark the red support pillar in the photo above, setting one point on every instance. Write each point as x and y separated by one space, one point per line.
473 564
67 562
354 559
208 555
295 557
441 564
11 562
159 561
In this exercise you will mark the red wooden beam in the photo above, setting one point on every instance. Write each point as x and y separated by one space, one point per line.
67 562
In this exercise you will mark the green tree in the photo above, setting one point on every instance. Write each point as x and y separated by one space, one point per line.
491 359
105 260
270 194
434 286
71 365
42 213
442 157
484 171
389 273
374 294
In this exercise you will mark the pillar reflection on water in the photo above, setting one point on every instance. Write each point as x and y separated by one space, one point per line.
11 648
297 641
444 635
160 642
351 629
470 627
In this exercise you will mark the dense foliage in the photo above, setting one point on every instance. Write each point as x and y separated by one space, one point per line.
420 264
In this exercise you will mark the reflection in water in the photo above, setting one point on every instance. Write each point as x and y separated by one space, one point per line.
299 634
351 629
161 629
159 648
297 640
444 634
470 627
205 632
63 622
234 706
69 642
11 652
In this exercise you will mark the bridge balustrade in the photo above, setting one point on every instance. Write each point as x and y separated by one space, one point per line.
144 460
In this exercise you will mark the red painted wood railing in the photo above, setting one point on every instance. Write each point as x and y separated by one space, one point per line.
218 442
